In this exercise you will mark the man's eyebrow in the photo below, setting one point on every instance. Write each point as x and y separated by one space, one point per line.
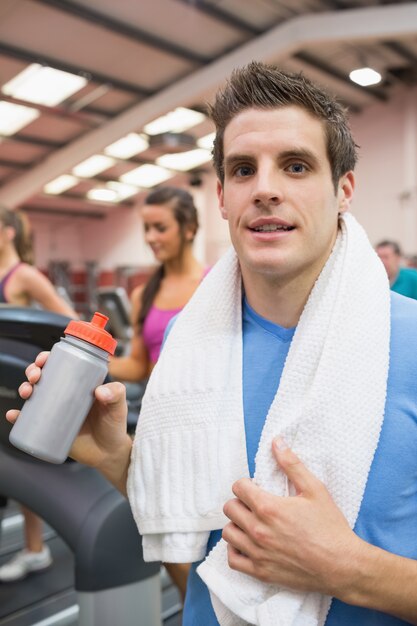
299 153
232 159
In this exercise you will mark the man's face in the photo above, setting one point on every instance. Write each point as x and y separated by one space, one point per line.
278 194
390 259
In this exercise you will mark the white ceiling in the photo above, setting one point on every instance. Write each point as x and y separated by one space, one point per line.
144 58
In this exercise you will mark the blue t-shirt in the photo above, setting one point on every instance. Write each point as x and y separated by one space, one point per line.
388 514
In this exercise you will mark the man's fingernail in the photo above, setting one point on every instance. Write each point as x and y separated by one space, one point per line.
105 393
280 443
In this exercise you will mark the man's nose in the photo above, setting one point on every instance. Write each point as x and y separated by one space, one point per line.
268 189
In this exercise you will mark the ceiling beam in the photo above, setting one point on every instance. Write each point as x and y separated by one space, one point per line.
128 31
223 16
95 215
57 111
326 68
34 141
401 50
372 23
29 56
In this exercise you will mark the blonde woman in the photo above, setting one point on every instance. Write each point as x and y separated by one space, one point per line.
21 284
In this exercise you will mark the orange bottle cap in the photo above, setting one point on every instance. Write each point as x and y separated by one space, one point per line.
93 332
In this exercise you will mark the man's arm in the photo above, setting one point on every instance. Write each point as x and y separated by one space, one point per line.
305 543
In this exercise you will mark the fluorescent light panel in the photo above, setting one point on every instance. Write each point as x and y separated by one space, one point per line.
123 191
127 146
365 76
60 184
206 142
43 85
146 176
93 166
184 161
103 195
112 192
13 117
175 121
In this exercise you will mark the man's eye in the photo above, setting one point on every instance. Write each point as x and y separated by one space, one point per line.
297 168
243 170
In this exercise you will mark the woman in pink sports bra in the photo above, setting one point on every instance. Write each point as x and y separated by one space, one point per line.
21 284
170 223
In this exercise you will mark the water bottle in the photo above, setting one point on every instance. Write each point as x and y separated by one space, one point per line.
53 415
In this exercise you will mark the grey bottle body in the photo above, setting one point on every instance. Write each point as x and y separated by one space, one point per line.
52 417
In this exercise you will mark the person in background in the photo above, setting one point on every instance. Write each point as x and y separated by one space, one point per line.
21 284
412 261
403 280
170 222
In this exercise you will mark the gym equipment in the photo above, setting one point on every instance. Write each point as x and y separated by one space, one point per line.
113 583
114 302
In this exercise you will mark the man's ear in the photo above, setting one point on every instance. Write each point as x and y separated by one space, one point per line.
345 191
220 196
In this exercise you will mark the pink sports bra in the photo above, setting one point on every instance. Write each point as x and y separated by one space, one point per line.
154 327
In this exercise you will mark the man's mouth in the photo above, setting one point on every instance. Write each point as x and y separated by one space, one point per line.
271 228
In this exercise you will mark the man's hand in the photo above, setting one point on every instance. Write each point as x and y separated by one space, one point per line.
302 542
103 441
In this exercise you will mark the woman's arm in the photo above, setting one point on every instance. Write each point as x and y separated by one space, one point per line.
40 289
136 365
133 367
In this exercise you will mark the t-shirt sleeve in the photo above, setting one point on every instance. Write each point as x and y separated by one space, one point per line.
168 329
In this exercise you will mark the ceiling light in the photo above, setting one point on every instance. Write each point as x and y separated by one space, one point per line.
127 146
60 184
206 142
146 176
43 85
123 191
13 117
112 192
93 166
102 195
175 121
184 161
365 76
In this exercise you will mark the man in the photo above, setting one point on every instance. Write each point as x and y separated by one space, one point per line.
284 157
402 279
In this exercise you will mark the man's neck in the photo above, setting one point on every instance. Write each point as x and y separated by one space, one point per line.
281 302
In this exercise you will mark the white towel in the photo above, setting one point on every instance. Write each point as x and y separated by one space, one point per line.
190 444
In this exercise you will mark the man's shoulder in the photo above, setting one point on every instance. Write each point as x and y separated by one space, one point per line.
404 315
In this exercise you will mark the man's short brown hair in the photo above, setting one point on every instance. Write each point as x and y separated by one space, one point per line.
262 86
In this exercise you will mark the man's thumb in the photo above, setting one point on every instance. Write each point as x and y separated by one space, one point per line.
295 470
113 397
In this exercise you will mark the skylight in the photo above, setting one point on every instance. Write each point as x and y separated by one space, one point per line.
146 176
13 117
43 85
184 161
93 166
175 121
60 184
206 142
127 146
